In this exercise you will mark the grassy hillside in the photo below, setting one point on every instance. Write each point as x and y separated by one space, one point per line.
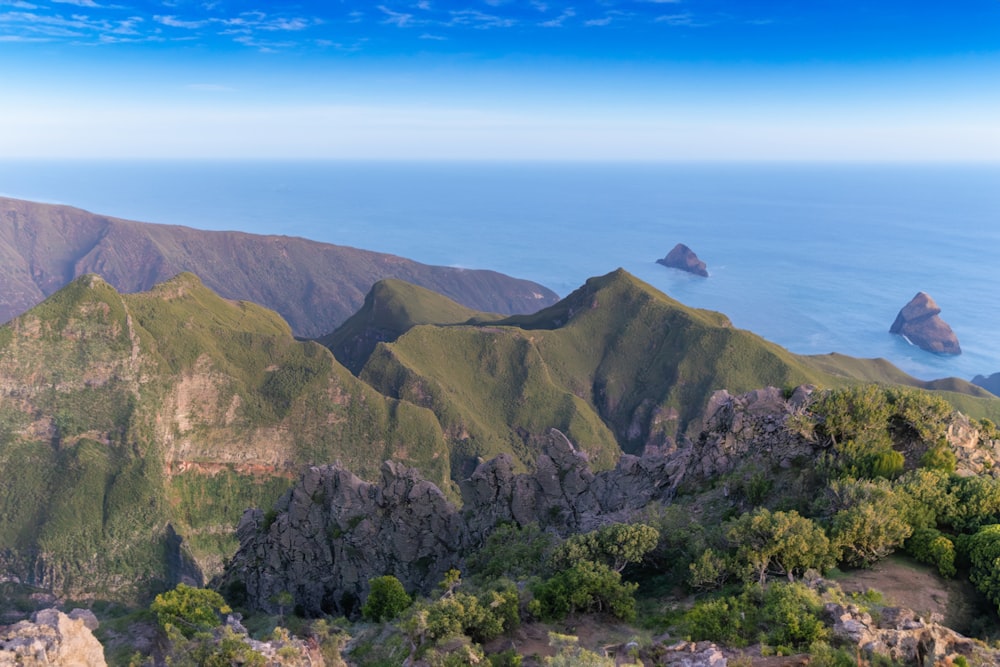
135 429
615 365
391 308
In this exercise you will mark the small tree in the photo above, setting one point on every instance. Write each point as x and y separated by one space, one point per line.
386 599
866 533
615 545
779 542
189 609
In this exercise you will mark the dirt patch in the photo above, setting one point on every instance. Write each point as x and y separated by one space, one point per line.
906 583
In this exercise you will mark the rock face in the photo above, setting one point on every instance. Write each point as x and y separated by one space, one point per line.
903 636
333 532
919 323
683 258
52 638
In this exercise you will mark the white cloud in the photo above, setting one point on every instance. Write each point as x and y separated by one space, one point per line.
174 22
559 20
398 19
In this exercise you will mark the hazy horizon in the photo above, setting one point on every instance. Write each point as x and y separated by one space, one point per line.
653 80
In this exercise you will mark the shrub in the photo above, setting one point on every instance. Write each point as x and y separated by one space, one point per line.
615 545
386 599
189 609
779 542
586 586
791 615
512 552
865 533
928 545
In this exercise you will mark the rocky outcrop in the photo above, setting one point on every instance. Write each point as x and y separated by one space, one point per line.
685 654
739 428
52 638
333 532
903 636
919 322
683 258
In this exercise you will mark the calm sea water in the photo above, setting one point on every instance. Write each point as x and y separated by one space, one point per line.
816 258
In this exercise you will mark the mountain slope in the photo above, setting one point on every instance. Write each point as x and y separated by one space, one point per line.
314 286
616 365
134 430
391 308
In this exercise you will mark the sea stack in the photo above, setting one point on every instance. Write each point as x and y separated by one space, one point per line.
919 323
683 258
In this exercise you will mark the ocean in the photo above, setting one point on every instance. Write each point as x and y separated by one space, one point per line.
815 257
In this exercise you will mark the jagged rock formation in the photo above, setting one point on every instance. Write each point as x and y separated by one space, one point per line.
333 532
315 286
52 638
900 634
743 427
683 258
919 323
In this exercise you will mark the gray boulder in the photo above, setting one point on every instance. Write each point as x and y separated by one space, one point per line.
52 638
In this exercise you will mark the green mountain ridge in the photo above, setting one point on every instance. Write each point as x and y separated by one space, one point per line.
391 308
136 428
616 365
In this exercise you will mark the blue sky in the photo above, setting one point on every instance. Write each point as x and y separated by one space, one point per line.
502 79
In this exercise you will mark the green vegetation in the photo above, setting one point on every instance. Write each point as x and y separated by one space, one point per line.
386 599
190 610
391 308
787 616
143 425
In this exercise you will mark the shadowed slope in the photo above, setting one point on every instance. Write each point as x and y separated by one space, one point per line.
314 286
392 308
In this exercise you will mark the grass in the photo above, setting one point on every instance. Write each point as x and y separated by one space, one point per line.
88 440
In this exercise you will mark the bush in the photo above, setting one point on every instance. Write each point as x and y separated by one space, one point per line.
983 552
386 599
725 620
615 545
778 542
928 545
189 609
587 586
865 534
787 615
791 615
512 552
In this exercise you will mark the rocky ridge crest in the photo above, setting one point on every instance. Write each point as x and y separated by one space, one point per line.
332 531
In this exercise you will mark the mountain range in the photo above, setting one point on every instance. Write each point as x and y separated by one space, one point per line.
314 286
135 428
